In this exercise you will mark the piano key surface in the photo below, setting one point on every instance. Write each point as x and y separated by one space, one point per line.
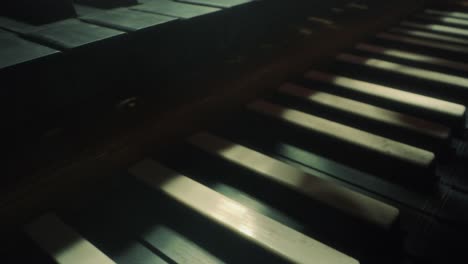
369 117
285 242
401 54
135 227
398 97
63 243
370 210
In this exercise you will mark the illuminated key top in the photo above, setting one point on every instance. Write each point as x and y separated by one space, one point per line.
428 35
416 101
266 233
369 112
368 142
328 193
424 43
437 61
63 243
447 20
436 28
427 75
446 13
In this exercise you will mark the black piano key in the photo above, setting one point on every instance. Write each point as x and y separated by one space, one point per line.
38 12
126 19
454 209
175 9
177 247
411 58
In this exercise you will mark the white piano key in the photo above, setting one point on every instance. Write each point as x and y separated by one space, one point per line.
425 42
447 109
446 13
437 61
272 236
428 75
331 194
447 20
417 157
436 28
63 243
377 114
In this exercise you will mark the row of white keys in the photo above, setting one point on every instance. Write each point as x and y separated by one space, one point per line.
67 246
414 57
436 28
421 160
280 240
459 15
454 48
451 113
328 193
428 75
437 134
444 20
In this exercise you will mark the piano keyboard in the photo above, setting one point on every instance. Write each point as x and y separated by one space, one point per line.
347 164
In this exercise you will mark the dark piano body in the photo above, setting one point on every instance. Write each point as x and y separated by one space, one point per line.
234 131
